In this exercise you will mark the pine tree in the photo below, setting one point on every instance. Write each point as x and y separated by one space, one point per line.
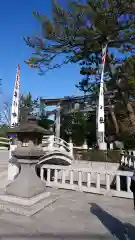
117 77
27 106
126 87
78 30
90 83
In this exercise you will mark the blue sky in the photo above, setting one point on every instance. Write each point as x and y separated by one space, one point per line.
16 21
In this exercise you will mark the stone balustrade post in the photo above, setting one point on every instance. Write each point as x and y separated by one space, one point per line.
51 142
85 146
111 146
71 146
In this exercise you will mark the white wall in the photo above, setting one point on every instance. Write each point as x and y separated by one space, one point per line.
95 165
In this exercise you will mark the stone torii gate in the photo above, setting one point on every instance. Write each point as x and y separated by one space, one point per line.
72 104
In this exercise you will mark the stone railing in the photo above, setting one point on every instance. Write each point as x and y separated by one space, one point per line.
128 159
88 180
52 143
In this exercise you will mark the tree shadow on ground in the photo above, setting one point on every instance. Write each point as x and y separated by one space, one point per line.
122 231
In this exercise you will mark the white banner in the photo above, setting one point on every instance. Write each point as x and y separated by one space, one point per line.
100 112
15 101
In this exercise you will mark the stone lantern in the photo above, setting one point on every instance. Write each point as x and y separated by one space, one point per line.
27 191
28 131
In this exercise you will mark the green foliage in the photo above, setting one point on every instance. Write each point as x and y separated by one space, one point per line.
76 31
45 122
121 78
79 127
113 156
3 130
28 106
127 70
129 140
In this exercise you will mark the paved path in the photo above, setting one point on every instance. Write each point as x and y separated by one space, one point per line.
76 216
4 154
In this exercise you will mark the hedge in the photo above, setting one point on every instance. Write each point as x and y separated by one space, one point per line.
4 142
113 156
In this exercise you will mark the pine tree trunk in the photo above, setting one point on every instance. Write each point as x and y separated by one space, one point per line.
112 113
131 114
114 120
130 110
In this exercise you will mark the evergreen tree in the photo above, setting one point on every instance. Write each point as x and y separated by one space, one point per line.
28 106
77 30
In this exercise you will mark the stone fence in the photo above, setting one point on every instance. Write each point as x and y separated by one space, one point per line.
110 183
128 159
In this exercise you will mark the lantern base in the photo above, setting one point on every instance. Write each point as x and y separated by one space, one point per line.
26 206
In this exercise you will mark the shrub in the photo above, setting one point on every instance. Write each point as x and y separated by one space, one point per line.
113 156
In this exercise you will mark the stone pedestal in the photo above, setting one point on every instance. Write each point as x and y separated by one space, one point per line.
111 146
103 146
26 206
27 184
27 194
85 146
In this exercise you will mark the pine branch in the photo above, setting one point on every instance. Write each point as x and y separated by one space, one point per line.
75 31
